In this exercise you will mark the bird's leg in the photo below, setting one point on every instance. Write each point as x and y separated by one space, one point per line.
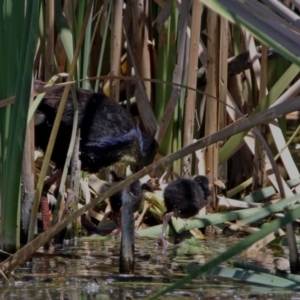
115 217
176 235
162 239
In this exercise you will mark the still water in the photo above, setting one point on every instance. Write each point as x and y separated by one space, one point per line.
88 269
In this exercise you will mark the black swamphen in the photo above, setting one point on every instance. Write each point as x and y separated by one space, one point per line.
184 198
109 134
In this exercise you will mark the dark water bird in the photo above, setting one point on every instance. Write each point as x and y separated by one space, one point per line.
109 134
148 187
152 184
184 198
115 200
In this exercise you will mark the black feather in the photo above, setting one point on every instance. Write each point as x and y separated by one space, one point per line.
109 133
185 197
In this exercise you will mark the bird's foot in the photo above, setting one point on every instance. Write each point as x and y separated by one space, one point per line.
116 231
163 241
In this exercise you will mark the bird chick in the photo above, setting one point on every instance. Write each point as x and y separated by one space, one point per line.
184 198
115 200
150 187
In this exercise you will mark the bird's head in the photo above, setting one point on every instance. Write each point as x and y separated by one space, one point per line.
204 183
149 148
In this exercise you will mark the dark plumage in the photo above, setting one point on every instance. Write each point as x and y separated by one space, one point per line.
45 119
109 133
148 187
151 185
184 198
89 226
116 199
